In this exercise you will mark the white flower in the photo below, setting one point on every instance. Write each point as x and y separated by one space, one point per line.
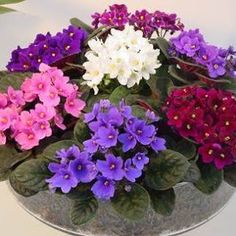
125 55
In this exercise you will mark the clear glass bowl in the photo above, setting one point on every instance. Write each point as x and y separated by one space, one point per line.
193 208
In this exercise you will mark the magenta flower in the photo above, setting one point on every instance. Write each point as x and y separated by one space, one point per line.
58 119
3 138
40 84
5 119
16 97
74 105
42 129
3 100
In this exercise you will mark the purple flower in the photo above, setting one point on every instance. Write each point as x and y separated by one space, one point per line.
151 116
88 117
112 117
128 140
140 160
67 155
217 68
206 54
131 173
112 167
103 188
107 137
142 132
83 169
126 111
64 180
91 145
158 144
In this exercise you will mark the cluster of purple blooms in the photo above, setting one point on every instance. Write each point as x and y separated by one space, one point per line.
113 128
118 15
217 60
47 49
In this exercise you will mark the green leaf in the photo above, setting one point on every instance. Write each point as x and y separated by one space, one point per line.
131 204
186 148
3 2
163 45
193 174
118 94
9 157
50 151
83 210
4 10
81 131
178 74
163 202
230 175
32 174
11 79
166 170
19 187
138 111
210 180
79 23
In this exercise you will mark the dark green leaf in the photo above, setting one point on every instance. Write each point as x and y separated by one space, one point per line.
186 148
20 188
4 10
230 175
79 23
11 79
210 180
118 94
131 204
166 170
50 151
32 174
138 111
83 210
193 174
82 192
163 45
163 202
178 74
81 131
3 2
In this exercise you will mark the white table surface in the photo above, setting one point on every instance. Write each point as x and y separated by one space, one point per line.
216 19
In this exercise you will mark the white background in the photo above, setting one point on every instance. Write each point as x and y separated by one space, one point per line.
217 21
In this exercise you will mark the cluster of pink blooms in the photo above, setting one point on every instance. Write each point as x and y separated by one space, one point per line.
28 115
208 116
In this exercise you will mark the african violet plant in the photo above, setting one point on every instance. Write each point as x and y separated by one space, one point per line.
117 113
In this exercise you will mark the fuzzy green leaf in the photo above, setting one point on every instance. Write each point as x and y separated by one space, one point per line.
83 210
32 174
81 131
166 170
11 79
50 151
4 10
163 202
3 2
230 175
163 45
186 148
138 111
210 180
118 94
131 204
19 187
79 23
193 174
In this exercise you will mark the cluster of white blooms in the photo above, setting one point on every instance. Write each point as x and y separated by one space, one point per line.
125 55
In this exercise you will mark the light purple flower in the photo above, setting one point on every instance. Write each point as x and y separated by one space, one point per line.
140 160
107 137
131 173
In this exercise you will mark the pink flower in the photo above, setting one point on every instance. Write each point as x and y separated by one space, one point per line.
51 72
15 96
26 87
3 100
50 98
27 139
3 138
5 119
73 105
43 113
26 120
40 83
42 129
58 119
64 89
